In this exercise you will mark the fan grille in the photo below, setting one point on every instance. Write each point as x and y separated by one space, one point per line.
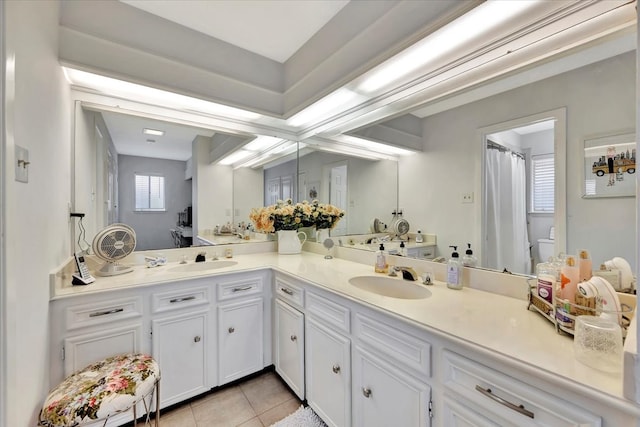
114 242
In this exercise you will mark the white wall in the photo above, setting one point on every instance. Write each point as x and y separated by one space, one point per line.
248 188
599 99
152 228
37 223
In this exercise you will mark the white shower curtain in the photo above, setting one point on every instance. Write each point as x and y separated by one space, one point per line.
506 213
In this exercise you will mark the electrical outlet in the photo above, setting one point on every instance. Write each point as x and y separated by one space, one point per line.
467 198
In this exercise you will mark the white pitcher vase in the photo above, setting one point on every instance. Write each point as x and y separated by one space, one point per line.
322 234
289 242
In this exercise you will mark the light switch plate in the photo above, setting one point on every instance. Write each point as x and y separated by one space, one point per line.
22 164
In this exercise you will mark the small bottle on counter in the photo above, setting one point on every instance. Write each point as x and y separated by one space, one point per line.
585 265
403 249
469 260
569 278
381 261
547 279
454 270
419 237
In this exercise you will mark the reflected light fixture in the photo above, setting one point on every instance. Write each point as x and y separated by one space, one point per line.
473 25
338 100
153 132
261 145
374 146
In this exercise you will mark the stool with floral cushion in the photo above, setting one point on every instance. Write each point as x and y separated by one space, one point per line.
103 389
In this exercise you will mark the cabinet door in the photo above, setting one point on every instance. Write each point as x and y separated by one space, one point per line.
289 346
240 339
383 395
179 347
82 350
328 369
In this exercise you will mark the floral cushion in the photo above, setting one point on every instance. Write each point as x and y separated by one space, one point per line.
100 390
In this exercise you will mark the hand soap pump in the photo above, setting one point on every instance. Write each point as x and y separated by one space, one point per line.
469 260
381 261
454 270
419 237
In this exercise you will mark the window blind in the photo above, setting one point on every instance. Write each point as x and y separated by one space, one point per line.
149 193
543 183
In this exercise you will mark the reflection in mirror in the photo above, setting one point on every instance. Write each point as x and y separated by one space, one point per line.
514 203
164 186
365 189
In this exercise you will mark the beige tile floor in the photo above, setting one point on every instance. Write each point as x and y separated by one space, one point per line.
257 402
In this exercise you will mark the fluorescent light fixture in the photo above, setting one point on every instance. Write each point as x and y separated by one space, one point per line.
236 156
377 147
338 100
283 149
123 89
471 26
153 132
262 143
351 151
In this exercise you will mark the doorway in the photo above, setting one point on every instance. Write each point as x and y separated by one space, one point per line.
522 196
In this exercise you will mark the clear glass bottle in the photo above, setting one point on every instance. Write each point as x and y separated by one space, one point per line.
454 270
469 259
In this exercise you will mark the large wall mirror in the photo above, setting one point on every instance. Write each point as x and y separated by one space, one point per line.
113 157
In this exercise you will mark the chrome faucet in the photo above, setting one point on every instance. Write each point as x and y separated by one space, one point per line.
408 273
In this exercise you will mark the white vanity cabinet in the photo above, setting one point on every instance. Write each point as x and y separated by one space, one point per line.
240 328
422 252
391 368
479 395
328 359
288 334
181 341
90 328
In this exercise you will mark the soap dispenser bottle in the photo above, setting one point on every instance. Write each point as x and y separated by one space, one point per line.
403 249
469 260
381 261
454 270
419 237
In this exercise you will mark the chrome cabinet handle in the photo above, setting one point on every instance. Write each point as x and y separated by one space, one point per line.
232 329
366 392
189 298
293 337
518 408
287 291
336 369
106 312
196 338
243 288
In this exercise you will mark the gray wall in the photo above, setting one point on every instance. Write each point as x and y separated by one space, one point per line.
152 228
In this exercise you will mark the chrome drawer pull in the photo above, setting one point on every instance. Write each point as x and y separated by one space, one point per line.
244 288
366 392
232 329
287 291
336 369
104 313
293 337
189 298
196 339
518 408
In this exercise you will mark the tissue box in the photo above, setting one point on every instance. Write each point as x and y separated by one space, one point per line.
612 276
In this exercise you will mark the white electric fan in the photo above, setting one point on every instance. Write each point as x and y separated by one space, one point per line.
112 244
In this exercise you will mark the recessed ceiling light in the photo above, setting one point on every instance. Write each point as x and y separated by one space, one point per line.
154 132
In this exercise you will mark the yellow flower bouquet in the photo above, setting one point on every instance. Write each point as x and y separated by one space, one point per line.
284 215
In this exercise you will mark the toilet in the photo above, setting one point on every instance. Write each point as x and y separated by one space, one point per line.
546 246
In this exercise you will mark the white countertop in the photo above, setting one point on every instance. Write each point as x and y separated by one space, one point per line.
497 323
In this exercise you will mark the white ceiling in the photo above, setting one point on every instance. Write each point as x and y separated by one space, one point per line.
273 29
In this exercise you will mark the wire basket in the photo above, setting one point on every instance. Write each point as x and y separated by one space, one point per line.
563 313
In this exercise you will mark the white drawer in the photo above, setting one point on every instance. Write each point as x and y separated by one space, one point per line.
179 299
82 315
328 312
239 288
409 350
507 401
289 292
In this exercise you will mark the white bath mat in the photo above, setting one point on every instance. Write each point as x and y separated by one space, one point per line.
303 417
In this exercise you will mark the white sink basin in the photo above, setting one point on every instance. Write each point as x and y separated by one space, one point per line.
395 288
202 266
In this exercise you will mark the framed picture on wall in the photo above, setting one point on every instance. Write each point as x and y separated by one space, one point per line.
610 166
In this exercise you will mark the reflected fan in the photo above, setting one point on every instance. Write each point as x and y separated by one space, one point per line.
112 244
